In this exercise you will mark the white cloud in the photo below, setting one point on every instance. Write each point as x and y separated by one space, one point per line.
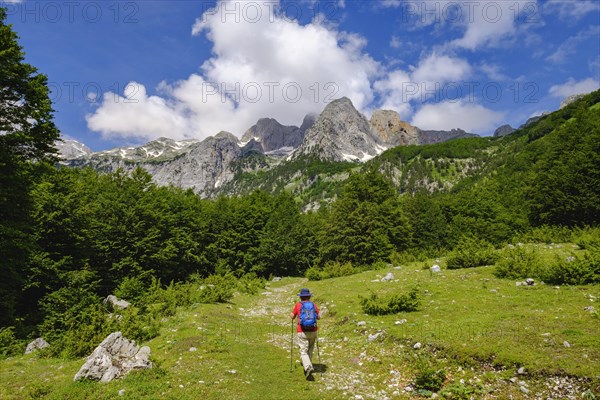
459 114
395 42
485 23
493 72
263 65
489 23
572 87
390 3
399 88
569 46
570 10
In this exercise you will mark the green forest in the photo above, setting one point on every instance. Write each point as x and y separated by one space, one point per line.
70 237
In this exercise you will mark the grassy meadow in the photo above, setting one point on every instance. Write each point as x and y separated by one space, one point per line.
475 332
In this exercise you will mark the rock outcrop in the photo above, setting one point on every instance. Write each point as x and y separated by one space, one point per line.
37 344
208 167
504 130
340 133
571 99
115 357
272 136
392 131
71 149
116 304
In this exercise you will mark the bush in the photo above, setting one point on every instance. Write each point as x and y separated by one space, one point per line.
332 269
546 234
9 345
574 271
374 305
459 391
216 289
518 262
588 238
85 332
313 274
471 252
251 283
135 325
430 379
132 289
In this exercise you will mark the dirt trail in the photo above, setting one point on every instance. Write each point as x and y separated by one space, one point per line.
340 368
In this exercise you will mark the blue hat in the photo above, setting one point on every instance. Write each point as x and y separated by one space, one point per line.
304 293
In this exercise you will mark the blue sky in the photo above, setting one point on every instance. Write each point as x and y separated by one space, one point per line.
125 72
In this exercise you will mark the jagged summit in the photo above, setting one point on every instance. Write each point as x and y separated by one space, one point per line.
274 136
340 133
504 130
69 149
391 130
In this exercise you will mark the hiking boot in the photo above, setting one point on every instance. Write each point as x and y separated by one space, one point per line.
308 372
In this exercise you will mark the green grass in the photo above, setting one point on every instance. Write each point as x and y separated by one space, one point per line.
473 326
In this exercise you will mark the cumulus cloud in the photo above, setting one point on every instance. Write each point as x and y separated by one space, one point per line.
263 64
571 87
457 114
399 88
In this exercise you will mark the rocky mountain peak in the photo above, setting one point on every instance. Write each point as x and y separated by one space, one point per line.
340 133
69 149
274 136
571 99
391 130
224 135
504 130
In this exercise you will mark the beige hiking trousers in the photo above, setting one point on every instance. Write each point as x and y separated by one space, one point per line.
306 341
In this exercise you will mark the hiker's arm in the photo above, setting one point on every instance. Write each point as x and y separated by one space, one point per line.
293 315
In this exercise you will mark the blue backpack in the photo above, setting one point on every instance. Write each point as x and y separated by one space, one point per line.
308 316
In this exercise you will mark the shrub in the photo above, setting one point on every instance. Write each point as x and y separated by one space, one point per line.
135 325
313 274
374 305
518 262
9 345
547 234
332 269
575 271
379 265
336 269
588 238
251 283
132 289
459 391
85 331
471 252
216 289
430 379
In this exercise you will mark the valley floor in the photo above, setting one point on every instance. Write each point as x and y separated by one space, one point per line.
487 338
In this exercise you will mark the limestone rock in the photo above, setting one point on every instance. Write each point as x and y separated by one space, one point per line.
570 99
340 133
391 130
116 356
504 130
436 268
115 303
37 344
71 149
388 277
271 135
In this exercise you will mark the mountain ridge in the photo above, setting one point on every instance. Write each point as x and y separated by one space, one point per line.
340 133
